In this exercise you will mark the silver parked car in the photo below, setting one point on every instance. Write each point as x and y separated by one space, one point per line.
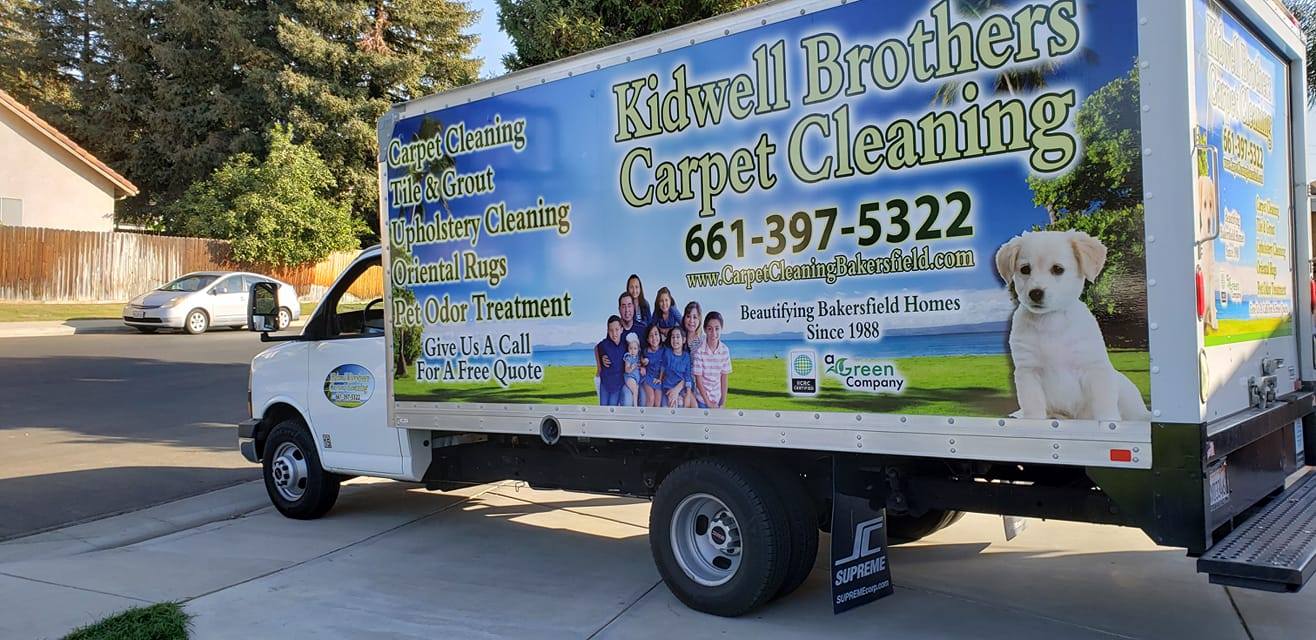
198 301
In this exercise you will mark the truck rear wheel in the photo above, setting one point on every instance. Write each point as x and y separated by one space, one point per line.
802 519
297 485
720 536
905 528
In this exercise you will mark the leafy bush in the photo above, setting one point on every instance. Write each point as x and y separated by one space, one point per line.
281 211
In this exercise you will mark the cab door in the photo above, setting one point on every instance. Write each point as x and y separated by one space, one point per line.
348 392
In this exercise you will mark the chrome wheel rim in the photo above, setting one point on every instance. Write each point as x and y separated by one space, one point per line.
284 319
706 540
288 470
196 322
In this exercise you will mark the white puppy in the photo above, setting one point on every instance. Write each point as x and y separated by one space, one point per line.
1061 368
1208 218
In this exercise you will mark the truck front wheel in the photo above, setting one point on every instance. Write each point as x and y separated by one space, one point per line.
297 485
720 536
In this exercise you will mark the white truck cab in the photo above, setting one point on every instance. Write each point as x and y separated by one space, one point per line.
288 385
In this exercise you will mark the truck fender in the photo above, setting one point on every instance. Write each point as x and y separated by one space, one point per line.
277 410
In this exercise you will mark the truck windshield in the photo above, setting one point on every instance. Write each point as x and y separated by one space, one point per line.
189 283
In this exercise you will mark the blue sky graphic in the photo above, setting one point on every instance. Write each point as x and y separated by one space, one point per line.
571 157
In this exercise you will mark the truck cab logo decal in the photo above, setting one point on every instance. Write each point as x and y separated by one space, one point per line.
349 386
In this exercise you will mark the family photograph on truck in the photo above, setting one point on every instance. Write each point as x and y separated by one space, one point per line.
843 266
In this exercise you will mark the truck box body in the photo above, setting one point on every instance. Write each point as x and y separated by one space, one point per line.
857 189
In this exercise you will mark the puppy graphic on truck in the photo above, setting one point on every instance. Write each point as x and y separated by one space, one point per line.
1061 366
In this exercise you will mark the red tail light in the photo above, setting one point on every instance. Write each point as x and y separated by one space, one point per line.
1312 282
1201 294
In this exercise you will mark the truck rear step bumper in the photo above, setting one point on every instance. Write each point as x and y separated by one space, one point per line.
1275 550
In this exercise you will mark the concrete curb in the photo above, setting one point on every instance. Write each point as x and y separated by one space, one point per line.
62 328
135 526
80 327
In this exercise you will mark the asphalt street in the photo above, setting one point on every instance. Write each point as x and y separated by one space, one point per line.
93 425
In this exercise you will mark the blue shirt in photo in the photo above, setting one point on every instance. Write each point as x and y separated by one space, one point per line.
612 374
677 369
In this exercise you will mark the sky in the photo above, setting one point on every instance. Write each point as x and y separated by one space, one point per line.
493 42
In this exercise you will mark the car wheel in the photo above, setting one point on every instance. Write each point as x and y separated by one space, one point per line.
197 322
719 536
297 485
146 329
285 318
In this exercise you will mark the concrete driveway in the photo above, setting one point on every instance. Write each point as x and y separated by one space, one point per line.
504 562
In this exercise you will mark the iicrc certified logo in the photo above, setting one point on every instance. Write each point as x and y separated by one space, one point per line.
349 386
860 375
802 372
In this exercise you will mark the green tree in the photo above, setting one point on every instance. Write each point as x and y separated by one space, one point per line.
349 60
1305 12
1102 196
1109 173
546 30
279 211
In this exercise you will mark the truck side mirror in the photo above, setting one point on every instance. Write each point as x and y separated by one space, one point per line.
263 307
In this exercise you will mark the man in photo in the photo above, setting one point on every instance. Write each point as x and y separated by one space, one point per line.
630 324
712 365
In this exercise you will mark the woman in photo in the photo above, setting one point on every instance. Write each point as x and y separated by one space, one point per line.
651 367
692 322
678 373
636 290
665 314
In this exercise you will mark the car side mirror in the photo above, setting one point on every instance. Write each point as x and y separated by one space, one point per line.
263 307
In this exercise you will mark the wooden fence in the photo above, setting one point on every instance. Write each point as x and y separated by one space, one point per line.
54 265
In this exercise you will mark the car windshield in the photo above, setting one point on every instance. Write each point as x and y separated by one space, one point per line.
189 283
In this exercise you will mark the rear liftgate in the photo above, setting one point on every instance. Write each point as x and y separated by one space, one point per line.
1274 549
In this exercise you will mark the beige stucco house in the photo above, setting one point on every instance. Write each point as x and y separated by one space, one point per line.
47 180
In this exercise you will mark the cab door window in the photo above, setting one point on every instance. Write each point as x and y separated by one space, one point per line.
358 303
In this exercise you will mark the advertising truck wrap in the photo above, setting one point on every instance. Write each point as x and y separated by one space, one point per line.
924 208
1242 107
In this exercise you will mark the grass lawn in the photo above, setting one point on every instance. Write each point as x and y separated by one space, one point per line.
1231 331
941 385
29 312
165 621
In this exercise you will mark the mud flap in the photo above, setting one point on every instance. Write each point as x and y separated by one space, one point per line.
860 571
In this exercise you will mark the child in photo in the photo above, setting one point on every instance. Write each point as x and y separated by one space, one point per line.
636 290
609 359
665 314
651 367
678 373
712 365
632 364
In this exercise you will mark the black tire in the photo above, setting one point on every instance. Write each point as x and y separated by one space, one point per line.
802 520
318 488
762 521
146 329
197 326
902 529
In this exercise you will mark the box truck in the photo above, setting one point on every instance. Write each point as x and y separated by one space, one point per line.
852 266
